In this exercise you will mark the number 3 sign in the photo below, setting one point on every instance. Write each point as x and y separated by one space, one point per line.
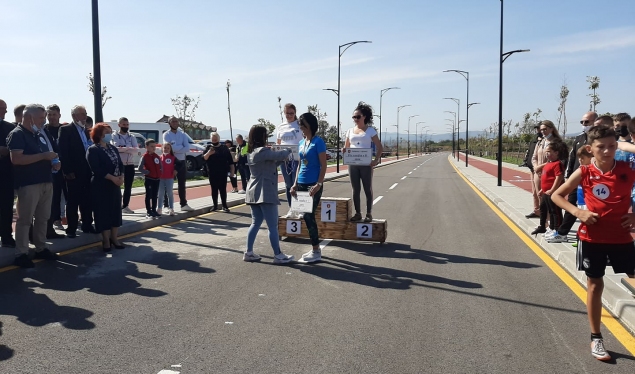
328 211
294 227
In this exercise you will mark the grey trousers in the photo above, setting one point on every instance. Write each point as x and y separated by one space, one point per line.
34 206
362 176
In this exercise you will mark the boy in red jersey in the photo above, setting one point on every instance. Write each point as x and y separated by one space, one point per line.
606 224
551 178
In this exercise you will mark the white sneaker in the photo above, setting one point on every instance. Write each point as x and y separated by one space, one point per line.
299 215
251 257
312 256
171 211
127 210
556 238
282 258
598 351
186 208
241 192
58 225
289 214
549 232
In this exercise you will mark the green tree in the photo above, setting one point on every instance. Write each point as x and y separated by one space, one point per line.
323 124
185 107
271 128
594 84
104 91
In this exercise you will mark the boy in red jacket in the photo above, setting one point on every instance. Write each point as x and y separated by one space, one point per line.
606 224
150 166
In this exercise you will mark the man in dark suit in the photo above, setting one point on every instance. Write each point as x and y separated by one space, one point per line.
7 188
73 143
52 130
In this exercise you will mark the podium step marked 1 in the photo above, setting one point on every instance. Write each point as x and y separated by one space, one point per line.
333 216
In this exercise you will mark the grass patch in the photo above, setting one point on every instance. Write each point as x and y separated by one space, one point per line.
139 181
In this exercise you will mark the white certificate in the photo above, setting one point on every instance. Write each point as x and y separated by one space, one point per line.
302 203
283 147
358 156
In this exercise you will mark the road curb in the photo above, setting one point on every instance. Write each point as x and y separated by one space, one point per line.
615 297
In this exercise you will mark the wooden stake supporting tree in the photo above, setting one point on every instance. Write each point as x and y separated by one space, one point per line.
332 218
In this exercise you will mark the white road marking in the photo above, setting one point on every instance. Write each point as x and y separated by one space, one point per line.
377 200
404 178
393 186
169 372
409 173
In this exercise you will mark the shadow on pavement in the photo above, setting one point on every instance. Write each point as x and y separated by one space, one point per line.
5 352
397 250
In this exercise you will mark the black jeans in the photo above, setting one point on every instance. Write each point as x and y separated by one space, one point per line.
547 206
6 210
309 218
78 197
128 178
244 174
569 219
219 185
59 188
152 194
181 175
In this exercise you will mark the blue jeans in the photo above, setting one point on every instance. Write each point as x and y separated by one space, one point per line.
288 170
165 189
269 213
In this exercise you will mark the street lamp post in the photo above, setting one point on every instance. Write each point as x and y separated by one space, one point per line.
416 133
458 116
381 96
413 116
502 58
451 128
339 65
454 126
99 115
399 108
229 111
465 75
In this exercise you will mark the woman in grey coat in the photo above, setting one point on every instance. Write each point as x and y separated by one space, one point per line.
262 193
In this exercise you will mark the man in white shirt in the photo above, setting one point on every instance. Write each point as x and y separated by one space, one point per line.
128 148
180 146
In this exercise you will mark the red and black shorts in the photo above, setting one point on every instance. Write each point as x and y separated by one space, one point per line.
592 258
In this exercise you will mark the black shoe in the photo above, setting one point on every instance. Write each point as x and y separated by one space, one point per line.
539 230
121 246
155 214
89 230
23 261
47 255
213 209
71 234
106 249
54 235
226 209
532 215
8 243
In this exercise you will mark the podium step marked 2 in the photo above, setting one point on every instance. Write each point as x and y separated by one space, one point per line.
332 217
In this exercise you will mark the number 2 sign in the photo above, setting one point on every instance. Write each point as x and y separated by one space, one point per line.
328 211
364 231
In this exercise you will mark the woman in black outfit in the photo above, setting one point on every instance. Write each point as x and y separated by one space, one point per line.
232 149
105 185
219 165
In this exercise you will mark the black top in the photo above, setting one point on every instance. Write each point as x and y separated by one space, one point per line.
54 131
30 144
530 152
72 152
103 162
218 163
574 163
6 168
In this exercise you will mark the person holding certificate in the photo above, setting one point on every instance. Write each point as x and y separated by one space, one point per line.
310 177
289 133
359 140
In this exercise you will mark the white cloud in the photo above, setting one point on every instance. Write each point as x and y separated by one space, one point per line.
592 41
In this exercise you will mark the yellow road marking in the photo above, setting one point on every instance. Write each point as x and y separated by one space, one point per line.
614 326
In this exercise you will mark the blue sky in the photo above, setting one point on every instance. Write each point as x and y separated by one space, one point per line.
153 50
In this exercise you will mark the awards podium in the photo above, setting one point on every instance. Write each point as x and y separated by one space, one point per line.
332 216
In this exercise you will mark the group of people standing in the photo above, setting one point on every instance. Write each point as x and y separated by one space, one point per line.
303 175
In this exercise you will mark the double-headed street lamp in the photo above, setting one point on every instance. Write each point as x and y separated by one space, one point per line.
451 128
339 89
503 57
399 108
465 75
413 116
381 96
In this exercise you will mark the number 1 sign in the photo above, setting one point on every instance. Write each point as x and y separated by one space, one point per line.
328 211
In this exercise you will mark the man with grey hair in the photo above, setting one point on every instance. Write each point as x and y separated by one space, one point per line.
33 163
73 144
180 146
6 183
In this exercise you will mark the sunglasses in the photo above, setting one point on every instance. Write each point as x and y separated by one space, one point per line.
584 122
357 117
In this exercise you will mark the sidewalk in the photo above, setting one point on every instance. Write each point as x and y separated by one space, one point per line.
515 200
199 199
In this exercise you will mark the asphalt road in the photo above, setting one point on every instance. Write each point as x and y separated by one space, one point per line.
453 290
